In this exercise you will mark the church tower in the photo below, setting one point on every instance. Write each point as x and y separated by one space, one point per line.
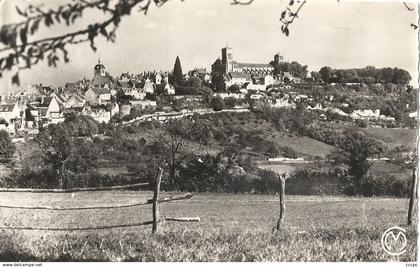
278 58
99 69
227 59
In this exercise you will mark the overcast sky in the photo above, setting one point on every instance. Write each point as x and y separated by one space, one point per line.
338 34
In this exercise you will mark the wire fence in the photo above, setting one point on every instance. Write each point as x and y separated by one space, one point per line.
154 201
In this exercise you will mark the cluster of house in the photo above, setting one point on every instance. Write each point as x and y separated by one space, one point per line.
37 104
101 96
291 99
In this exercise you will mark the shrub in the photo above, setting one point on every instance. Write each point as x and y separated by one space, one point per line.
268 182
384 185
130 129
230 102
310 182
7 148
217 103
41 178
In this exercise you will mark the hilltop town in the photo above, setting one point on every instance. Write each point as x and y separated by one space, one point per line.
381 97
158 152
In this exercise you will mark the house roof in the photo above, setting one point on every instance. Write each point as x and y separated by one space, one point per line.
47 89
45 102
126 84
99 108
201 70
73 109
140 85
60 98
160 87
30 107
100 91
238 75
218 62
101 80
6 108
78 97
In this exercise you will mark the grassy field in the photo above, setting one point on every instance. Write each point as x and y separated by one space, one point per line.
232 228
395 137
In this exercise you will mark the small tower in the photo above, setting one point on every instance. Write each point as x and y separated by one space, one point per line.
227 59
278 58
99 69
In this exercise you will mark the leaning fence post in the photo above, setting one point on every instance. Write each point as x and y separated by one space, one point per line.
156 200
282 181
412 198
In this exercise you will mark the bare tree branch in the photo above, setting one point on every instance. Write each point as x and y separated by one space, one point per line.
238 2
20 53
409 8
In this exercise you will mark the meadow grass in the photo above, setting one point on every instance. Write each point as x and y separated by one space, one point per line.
174 243
233 227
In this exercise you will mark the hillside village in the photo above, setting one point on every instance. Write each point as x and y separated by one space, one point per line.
236 86
131 131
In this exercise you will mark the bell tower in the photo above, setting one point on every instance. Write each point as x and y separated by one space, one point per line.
278 58
227 59
99 69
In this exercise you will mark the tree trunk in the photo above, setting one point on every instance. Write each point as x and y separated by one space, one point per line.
155 201
412 198
282 180
172 176
60 174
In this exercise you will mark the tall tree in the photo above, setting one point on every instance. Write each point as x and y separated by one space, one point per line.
325 73
173 142
356 151
65 152
177 76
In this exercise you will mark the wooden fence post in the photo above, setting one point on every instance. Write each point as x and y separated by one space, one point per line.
282 181
412 198
155 201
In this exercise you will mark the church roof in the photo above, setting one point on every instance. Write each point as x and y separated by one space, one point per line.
252 65
99 65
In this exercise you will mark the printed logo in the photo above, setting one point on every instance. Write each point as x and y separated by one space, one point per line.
394 241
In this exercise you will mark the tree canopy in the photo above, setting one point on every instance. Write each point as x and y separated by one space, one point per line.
65 150
356 151
369 74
